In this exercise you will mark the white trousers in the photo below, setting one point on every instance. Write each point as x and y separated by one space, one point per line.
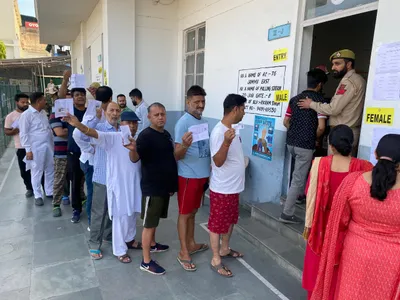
44 163
123 231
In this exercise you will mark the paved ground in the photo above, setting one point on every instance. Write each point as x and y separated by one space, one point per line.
42 257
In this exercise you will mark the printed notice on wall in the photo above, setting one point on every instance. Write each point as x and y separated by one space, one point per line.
263 137
387 72
259 87
379 116
377 134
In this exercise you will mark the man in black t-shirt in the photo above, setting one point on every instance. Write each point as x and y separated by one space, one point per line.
304 126
74 152
155 149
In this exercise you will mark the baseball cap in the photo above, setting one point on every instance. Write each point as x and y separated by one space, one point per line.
129 116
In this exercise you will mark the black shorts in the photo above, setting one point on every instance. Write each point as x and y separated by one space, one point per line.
154 208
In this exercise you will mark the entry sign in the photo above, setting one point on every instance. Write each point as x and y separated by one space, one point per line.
379 116
281 96
280 55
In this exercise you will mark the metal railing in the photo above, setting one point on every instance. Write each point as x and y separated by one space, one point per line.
7 105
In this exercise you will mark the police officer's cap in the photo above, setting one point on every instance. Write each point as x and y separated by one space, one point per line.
345 53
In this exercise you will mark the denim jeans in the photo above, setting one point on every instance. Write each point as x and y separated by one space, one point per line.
88 171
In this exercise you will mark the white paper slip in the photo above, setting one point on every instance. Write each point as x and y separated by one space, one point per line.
15 124
237 127
126 134
199 132
29 164
92 106
78 81
62 107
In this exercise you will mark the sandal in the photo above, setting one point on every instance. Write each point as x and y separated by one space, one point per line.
202 248
95 254
232 254
131 246
125 259
220 267
184 263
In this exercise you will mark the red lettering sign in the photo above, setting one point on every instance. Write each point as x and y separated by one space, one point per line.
32 25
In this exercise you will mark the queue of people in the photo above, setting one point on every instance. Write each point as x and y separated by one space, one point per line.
352 210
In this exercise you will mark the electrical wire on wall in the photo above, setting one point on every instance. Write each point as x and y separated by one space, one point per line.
155 2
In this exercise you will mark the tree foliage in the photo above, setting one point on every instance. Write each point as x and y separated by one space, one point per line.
3 52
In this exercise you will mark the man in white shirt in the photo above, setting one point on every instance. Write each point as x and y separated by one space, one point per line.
226 182
123 181
141 109
37 139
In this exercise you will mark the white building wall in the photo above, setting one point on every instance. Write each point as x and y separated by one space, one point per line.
386 21
156 53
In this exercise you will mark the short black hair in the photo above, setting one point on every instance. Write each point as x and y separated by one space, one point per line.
155 104
353 62
342 138
104 94
20 96
121 95
80 90
136 93
195 90
35 96
315 77
231 101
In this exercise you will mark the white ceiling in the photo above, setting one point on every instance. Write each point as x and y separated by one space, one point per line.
59 20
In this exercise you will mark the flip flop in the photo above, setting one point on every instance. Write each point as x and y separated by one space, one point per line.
203 247
130 245
122 259
182 262
221 267
94 252
232 254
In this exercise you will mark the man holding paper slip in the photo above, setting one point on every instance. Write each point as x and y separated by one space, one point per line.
192 150
123 181
226 182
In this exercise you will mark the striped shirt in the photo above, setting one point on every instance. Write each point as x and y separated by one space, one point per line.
100 156
60 143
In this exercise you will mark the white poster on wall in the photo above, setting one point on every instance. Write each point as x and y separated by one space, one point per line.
379 133
259 86
387 72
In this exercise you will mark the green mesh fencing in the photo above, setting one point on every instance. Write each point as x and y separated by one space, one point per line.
7 105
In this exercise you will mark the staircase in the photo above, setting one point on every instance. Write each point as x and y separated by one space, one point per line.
282 242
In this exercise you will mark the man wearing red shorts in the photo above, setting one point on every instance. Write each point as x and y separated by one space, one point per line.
194 170
226 182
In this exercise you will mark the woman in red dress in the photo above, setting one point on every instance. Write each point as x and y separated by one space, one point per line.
326 175
363 233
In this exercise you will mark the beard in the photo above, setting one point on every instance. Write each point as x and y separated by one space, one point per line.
122 105
340 74
22 108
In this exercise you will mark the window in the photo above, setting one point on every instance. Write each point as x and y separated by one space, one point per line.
318 8
195 39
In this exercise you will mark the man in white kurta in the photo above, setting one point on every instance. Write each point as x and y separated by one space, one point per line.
37 139
123 182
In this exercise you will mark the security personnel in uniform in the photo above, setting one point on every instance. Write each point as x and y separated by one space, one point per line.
346 106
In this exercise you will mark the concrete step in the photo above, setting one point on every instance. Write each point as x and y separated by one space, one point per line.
269 213
283 251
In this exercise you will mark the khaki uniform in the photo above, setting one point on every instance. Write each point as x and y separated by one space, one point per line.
346 107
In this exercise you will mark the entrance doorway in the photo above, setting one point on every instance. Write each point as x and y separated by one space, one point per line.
320 41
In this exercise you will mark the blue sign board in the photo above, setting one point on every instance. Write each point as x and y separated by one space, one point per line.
279 32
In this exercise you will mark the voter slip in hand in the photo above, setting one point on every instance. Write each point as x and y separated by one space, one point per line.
62 107
199 132
126 134
237 128
15 124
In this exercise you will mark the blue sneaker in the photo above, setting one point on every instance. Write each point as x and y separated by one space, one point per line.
76 216
152 267
65 200
157 248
